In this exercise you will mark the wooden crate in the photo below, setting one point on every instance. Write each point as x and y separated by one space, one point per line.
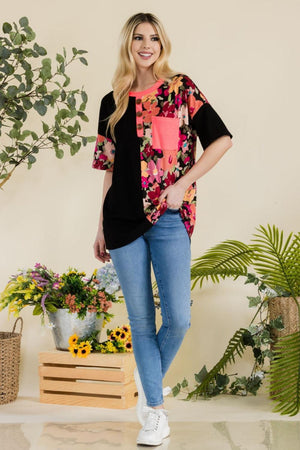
100 380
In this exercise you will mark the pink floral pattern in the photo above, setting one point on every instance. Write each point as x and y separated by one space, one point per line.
161 167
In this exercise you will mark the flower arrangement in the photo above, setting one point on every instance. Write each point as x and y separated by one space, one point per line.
47 291
119 341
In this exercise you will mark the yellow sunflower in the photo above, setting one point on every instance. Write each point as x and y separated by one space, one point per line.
123 336
126 328
73 339
74 350
112 336
117 332
83 352
128 347
85 344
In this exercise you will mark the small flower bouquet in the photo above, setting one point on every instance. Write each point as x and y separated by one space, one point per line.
119 341
47 291
38 287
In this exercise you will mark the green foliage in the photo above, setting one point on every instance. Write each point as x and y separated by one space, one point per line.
244 385
285 375
277 262
258 336
235 347
31 83
176 389
47 291
272 257
227 259
277 259
219 384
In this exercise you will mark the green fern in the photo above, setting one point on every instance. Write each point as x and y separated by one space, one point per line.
228 259
285 375
277 259
268 254
235 347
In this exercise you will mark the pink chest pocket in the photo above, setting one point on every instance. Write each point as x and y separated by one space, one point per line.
165 133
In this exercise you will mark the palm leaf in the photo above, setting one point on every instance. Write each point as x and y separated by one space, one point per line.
235 347
228 259
277 259
285 375
293 265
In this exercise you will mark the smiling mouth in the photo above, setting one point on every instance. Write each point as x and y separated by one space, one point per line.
145 54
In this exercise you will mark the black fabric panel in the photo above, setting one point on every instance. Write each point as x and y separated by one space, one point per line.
209 125
107 107
124 219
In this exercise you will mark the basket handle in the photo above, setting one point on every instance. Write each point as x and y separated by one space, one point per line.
19 318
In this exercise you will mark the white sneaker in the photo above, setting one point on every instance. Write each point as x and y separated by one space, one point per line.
156 427
141 407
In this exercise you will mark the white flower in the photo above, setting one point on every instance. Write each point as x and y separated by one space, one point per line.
259 374
108 279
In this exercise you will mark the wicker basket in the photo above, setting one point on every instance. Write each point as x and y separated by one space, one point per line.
10 343
286 308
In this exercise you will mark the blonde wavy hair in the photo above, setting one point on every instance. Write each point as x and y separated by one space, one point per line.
125 73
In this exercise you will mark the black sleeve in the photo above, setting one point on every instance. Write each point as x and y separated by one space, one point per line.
104 153
209 125
106 109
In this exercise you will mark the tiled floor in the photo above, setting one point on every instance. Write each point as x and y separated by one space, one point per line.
223 423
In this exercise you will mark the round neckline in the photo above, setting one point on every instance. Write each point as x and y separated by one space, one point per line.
147 91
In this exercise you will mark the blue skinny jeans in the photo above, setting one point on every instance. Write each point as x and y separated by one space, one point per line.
167 246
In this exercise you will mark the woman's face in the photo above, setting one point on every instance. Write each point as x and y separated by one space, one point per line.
146 46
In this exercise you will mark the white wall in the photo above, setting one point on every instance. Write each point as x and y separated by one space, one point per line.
244 57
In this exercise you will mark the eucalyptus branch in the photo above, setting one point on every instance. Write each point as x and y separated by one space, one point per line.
25 88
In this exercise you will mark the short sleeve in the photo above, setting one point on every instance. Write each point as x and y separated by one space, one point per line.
104 153
209 125
203 118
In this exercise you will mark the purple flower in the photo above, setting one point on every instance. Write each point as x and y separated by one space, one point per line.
43 302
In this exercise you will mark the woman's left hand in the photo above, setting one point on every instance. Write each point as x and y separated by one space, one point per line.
174 195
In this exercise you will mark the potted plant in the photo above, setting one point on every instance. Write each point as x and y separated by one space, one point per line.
277 261
74 302
29 86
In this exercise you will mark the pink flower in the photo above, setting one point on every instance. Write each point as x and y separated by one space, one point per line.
154 171
168 110
154 195
145 182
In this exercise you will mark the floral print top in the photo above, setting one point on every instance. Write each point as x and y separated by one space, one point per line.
155 145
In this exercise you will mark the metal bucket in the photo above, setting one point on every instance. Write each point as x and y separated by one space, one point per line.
65 324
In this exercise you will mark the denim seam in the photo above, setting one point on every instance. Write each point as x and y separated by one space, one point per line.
162 295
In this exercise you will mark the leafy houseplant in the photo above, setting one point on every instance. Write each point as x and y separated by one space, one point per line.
30 84
47 292
277 261
73 302
258 336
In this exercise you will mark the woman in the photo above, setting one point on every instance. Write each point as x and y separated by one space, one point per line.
146 143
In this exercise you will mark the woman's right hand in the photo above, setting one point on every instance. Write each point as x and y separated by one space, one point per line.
100 248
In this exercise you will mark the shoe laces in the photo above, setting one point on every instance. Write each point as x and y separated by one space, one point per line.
152 421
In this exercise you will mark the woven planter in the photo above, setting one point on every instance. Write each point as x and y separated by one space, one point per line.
287 309
10 343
